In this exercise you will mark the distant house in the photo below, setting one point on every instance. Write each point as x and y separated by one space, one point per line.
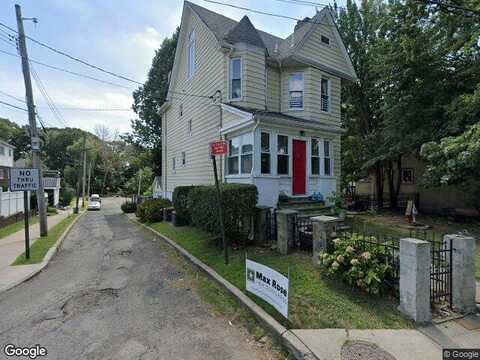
277 104
444 200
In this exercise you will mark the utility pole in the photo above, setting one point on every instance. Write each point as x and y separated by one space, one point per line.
139 183
84 171
89 175
35 141
79 176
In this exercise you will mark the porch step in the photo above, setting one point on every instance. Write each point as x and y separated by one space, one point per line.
302 205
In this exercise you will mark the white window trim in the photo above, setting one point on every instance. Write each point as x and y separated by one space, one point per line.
330 156
329 40
289 142
329 85
230 73
303 91
270 152
318 156
192 40
239 157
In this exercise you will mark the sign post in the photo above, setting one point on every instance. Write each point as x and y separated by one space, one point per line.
219 148
24 180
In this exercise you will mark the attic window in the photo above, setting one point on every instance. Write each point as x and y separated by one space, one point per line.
191 55
325 40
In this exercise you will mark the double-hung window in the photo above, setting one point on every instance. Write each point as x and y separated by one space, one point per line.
191 55
315 157
295 89
235 79
325 94
327 169
240 155
282 155
265 153
174 165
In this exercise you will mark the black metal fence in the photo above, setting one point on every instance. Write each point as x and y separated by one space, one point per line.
271 225
441 272
365 202
302 238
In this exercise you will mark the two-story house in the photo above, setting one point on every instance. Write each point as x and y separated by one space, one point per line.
276 101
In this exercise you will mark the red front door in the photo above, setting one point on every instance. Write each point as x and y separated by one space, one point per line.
299 167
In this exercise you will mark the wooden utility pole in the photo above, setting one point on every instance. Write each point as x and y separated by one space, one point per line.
89 176
139 183
79 176
35 140
84 171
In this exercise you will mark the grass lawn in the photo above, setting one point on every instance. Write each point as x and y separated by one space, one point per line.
41 246
315 301
13 228
395 224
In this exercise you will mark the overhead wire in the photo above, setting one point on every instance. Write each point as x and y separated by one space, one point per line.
13 106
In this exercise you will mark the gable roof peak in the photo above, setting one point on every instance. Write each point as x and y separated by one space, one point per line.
245 32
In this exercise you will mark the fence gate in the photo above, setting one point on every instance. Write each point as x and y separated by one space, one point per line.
302 238
441 272
271 225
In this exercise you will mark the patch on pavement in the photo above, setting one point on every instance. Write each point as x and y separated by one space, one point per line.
362 350
86 300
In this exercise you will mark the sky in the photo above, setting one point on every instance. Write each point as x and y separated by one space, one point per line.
120 36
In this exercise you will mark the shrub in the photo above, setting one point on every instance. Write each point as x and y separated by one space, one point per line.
66 196
366 270
129 207
51 210
152 210
180 197
239 201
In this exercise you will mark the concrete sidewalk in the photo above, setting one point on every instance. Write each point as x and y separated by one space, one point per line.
13 245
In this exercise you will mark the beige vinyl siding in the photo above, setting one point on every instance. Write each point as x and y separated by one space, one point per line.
229 118
209 76
328 55
253 78
273 89
333 117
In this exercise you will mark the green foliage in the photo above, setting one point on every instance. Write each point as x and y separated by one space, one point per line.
51 210
239 202
148 99
364 269
180 199
16 136
282 197
66 195
129 207
152 210
131 185
338 204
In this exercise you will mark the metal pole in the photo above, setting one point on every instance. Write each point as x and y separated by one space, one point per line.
35 141
27 230
139 183
76 210
89 176
220 210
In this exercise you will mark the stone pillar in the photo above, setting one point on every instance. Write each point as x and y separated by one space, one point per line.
324 230
260 224
285 221
415 259
463 272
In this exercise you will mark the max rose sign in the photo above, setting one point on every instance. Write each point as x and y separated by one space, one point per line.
269 285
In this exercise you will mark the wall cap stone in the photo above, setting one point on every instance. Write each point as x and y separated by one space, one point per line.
325 219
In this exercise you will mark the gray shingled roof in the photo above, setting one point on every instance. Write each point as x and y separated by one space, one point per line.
245 32
221 26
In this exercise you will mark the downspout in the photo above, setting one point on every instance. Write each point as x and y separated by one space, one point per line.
280 84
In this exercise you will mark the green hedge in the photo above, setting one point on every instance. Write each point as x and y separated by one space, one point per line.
152 210
239 201
180 200
129 207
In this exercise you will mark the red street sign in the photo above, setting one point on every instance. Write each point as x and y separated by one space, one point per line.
219 148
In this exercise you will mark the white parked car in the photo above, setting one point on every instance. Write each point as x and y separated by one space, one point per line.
94 205
95 197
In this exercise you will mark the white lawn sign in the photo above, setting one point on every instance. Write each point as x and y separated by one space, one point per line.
268 284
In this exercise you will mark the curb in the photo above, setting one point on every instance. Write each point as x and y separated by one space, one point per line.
48 257
287 337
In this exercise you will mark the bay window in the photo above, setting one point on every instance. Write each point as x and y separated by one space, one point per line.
295 88
315 157
236 79
265 153
240 155
282 155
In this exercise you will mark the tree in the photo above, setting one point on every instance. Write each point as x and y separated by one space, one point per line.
16 136
148 99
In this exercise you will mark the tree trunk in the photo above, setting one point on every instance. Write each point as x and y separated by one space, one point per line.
379 177
394 182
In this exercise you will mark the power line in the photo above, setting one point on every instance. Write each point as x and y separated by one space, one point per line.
12 97
261 12
450 5
67 71
73 57
13 106
93 109
304 2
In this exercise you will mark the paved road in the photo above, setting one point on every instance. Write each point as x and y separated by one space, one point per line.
111 293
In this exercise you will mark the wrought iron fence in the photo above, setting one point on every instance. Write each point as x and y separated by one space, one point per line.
302 238
271 225
441 272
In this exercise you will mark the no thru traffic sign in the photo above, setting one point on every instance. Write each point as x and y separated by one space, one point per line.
23 179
